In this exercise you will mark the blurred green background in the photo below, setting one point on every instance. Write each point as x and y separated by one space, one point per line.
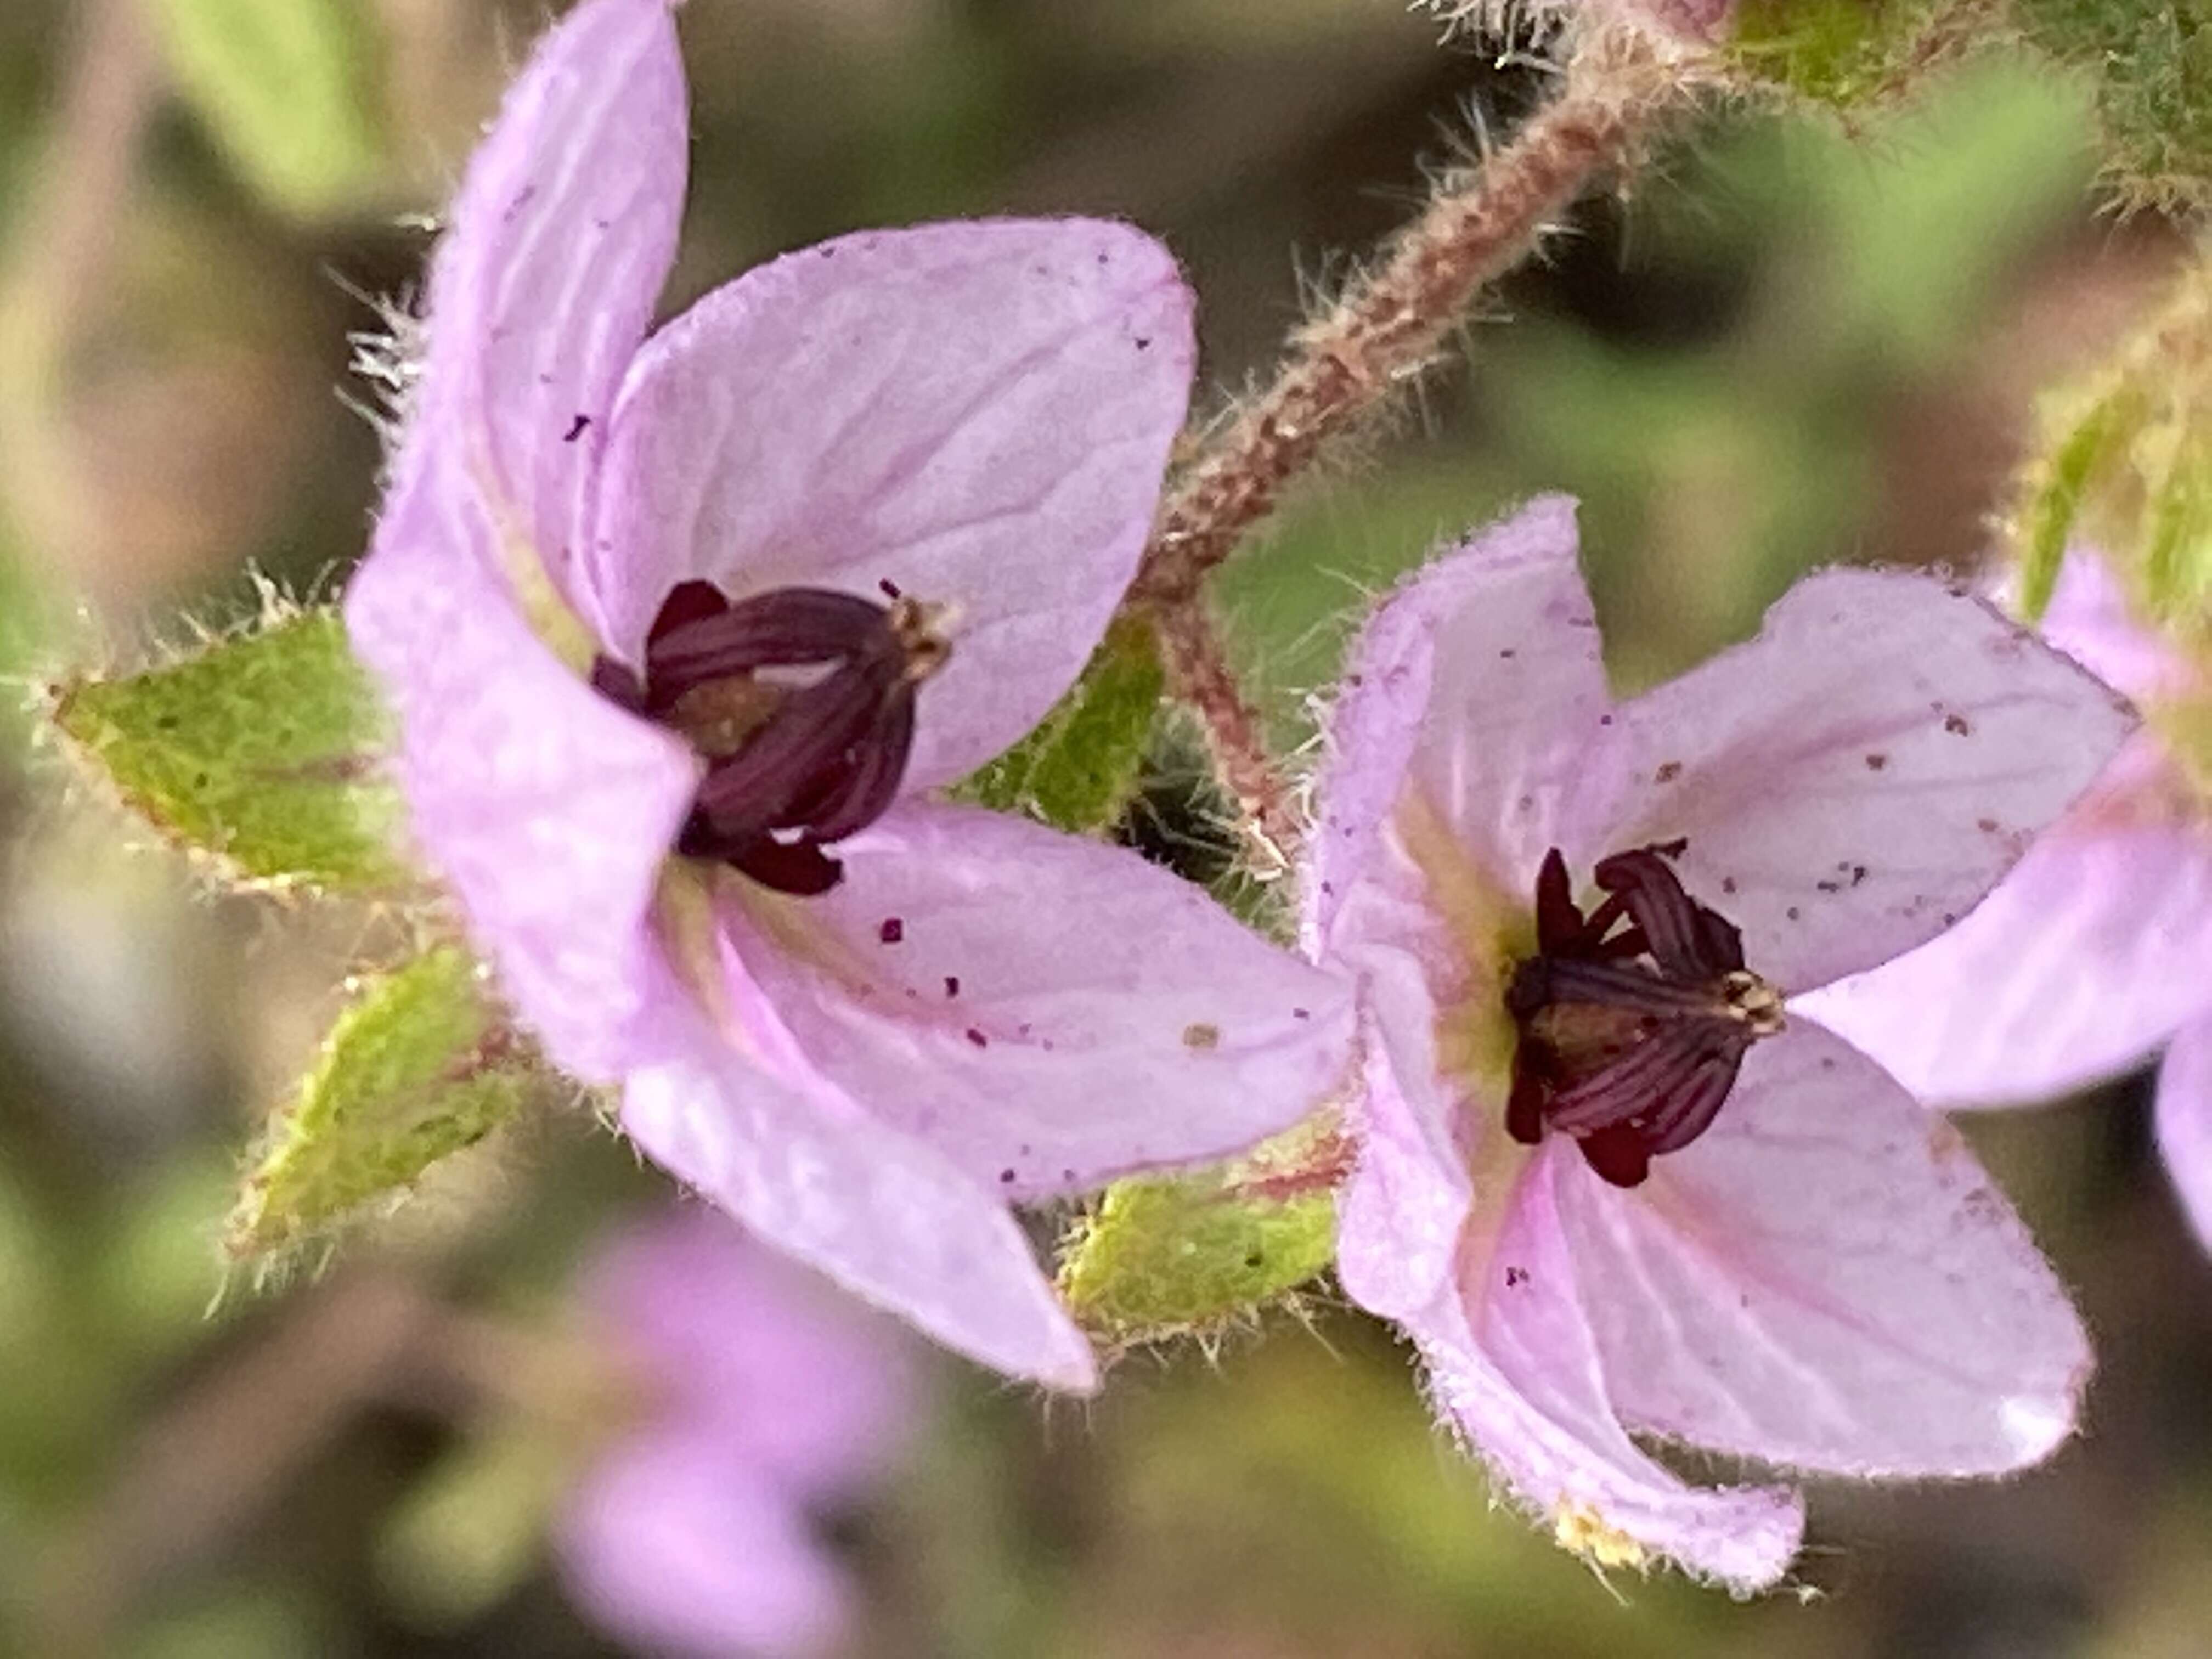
1787 346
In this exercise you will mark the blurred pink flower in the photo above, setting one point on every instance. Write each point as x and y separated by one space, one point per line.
2096 950
745 590
1608 1186
770 1404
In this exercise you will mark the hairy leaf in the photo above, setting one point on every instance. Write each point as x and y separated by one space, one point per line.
1164 1257
419 1068
261 751
1079 768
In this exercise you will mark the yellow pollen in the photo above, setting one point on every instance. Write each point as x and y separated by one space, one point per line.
924 634
1578 1527
1753 1000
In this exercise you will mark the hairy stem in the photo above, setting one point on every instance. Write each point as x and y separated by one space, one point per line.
1198 673
1380 336
1388 326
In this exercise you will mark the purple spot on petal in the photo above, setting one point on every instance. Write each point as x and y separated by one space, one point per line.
577 428
978 1038
1875 762
953 985
891 930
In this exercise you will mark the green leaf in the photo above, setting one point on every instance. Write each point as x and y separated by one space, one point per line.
1079 768
1839 52
262 752
288 88
419 1068
2125 464
2150 64
2178 532
1164 1256
2055 502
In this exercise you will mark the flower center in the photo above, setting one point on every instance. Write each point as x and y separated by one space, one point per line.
1633 1020
801 700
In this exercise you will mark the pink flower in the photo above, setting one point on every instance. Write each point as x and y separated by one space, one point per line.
1607 1181
2094 952
744 592
770 1405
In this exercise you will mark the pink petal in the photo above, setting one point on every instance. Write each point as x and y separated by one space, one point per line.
1826 1280
1528 1390
676 1545
1516 1360
547 810
1479 683
2089 620
1044 1011
1398 1216
545 280
977 413
2185 1121
735 1113
2085 957
809 1385
1852 781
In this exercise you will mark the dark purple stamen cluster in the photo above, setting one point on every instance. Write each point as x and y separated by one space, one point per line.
802 701
1632 1020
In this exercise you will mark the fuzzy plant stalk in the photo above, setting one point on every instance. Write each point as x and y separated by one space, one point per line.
1620 89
